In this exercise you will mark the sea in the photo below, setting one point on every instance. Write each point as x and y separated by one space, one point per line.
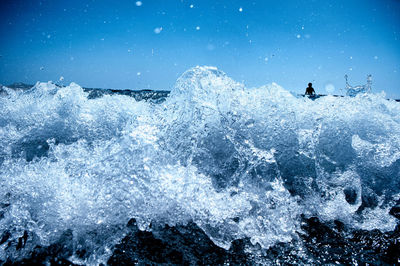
210 173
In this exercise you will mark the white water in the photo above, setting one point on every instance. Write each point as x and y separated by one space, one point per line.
239 162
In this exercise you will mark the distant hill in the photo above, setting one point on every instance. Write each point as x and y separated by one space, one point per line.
139 95
154 95
19 85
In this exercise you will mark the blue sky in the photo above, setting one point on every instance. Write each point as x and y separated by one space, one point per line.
149 44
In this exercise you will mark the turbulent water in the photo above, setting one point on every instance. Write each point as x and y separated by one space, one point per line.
234 162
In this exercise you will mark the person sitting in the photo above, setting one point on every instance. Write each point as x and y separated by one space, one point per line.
310 90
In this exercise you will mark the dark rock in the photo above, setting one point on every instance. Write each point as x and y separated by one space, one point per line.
183 245
55 254
395 211
318 243
328 245
350 195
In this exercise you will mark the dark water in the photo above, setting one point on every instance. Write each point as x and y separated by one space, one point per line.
210 173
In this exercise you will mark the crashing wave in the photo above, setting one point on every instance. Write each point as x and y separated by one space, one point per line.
237 162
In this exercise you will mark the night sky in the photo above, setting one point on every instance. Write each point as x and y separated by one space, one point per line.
148 44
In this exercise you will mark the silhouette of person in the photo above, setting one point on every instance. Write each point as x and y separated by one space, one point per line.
310 90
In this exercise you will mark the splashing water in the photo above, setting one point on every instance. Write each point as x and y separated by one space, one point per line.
354 90
238 162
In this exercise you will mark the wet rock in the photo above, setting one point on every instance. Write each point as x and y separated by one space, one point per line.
395 211
350 195
336 244
55 254
318 243
181 245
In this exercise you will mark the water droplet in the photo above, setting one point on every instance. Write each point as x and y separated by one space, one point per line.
329 88
158 30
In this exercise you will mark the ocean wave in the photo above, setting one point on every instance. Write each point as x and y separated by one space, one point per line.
238 162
